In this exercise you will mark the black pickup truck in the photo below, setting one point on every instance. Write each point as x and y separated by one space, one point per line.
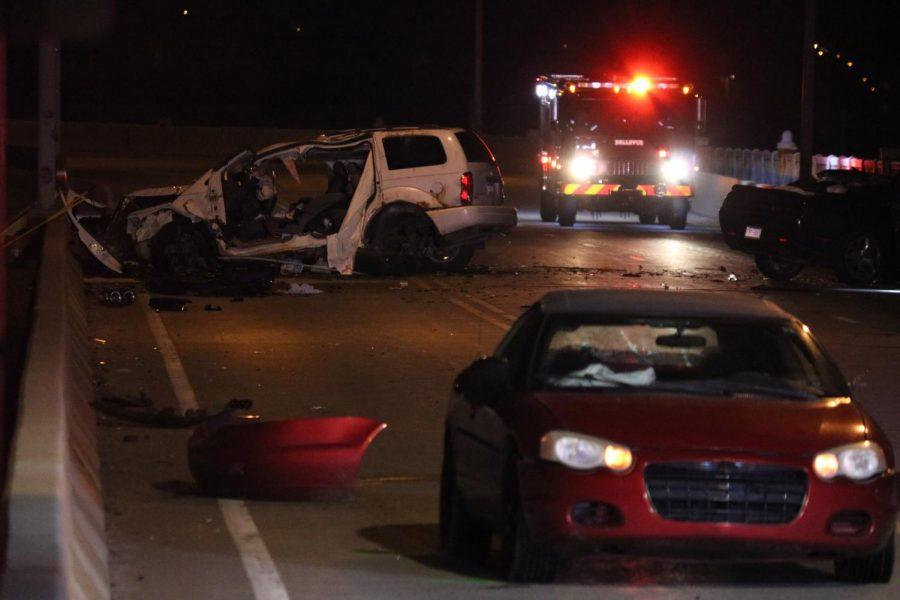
847 219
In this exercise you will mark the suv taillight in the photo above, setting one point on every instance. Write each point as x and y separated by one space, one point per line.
466 188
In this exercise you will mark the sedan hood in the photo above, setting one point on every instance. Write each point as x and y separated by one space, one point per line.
690 422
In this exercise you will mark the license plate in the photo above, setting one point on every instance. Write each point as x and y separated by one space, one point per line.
753 233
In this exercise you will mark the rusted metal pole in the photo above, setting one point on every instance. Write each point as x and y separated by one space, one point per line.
48 120
477 109
807 90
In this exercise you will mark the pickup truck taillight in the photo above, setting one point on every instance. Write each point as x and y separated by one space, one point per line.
466 188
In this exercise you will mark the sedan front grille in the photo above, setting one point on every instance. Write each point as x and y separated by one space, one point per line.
726 492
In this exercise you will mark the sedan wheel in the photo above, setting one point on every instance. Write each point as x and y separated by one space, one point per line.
777 267
870 568
860 260
522 559
462 537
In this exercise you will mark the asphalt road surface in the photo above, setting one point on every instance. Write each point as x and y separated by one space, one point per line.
389 348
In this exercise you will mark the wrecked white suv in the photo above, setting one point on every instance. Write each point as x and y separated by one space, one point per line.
410 197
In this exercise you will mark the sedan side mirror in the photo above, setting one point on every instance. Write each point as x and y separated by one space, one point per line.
485 381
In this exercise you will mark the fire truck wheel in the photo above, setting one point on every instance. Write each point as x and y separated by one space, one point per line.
678 213
568 206
548 207
647 217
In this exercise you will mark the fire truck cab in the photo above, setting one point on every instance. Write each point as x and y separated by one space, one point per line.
622 145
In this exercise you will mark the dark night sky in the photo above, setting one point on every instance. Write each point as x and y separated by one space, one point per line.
244 63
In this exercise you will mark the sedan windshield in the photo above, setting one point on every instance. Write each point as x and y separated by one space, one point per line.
696 357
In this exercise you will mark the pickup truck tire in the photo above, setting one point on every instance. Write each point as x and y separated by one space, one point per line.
678 213
548 207
859 259
568 208
777 268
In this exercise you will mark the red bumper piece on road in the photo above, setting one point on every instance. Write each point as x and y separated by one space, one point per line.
295 459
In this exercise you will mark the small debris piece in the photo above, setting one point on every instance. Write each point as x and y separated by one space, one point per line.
401 285
129 438
305 289
212 308
732 277
100 341
167 303
723 269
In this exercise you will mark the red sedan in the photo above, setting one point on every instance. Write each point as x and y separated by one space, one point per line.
663 422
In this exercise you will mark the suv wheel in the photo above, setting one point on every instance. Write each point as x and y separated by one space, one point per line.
548 206
777 267
870 568
568 208
455 259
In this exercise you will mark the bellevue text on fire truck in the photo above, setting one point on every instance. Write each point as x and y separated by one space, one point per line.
619 145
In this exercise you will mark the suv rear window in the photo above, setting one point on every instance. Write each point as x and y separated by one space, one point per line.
474 148
410 151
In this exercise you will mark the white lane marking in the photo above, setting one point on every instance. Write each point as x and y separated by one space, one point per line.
491 307
484 316
258 563
426 285
184 393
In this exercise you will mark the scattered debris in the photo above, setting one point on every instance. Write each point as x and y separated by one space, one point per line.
117 296
732 277
236 454
305 289
212 308
142 412
723 269
631 274
100 341
169 304
401 285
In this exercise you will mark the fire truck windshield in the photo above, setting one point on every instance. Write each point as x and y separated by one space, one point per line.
651 115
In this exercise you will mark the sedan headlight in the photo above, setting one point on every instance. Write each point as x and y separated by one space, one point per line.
858 461
676 169
583 167
585 452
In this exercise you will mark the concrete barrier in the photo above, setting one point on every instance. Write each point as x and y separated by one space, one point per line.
57 541
709 192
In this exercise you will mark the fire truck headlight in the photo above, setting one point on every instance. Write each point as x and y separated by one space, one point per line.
676 169
540 90
582 167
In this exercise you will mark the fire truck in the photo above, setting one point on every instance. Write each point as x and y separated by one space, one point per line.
620 145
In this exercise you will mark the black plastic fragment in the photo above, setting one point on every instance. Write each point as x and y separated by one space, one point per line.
169 304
